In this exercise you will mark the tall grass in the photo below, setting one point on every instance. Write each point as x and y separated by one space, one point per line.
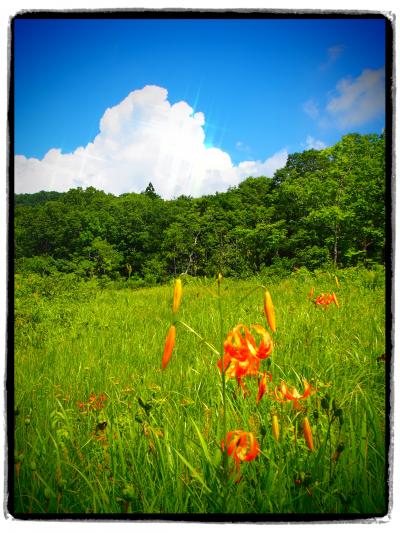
100 428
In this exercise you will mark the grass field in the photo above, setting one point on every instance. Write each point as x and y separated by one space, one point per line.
101 428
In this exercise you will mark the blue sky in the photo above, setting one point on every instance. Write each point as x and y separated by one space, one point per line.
251 91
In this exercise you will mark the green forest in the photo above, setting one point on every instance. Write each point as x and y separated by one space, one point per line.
324 209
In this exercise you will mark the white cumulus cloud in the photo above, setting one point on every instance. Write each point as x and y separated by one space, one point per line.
314 144
262 168
357 101
143 138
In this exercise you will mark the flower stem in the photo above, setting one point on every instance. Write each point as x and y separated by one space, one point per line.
224 425
199 336
256 288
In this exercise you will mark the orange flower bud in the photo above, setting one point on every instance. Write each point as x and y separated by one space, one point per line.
308 434
275 427
311 293
269 311
169 346
262 386
337 281
335 299
177 295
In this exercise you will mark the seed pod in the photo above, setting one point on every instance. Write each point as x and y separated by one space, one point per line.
337 452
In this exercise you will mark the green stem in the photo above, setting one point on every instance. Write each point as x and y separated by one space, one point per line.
254 289
198 336
224 425
330 450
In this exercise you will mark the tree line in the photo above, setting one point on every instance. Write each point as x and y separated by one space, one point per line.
324 208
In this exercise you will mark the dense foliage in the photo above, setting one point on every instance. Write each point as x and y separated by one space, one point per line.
323 208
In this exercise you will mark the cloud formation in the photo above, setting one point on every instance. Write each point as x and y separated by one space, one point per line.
311 109
357 101
314 144
333 53
143 138
242 147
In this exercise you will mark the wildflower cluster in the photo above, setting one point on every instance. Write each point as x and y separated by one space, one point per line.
244 350
243 354
324 299
94 403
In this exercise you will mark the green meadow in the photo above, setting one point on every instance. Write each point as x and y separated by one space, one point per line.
101 428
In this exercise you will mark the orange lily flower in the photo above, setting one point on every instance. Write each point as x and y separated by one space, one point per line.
308 434
322 300
234 368
169 346
242 445
283 393
326 299
242 354
177 296
264 349
240 345
269 311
